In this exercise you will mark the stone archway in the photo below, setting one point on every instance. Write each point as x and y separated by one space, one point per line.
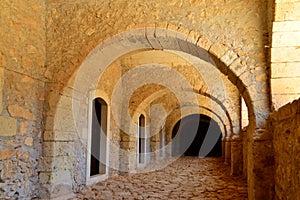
226 60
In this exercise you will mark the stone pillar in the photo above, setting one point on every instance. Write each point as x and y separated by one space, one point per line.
260 165
127 155
227 150
245 151
236 155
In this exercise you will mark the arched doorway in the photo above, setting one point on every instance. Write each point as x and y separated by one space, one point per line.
197 135
98 139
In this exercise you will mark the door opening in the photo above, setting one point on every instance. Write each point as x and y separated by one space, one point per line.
99 137
197 135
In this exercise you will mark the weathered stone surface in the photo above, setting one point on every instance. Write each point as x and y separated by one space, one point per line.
23 128
286 11
229 57
6 154
286 85
236 156
7 171
18 111
286 26
285 69
28 141
186 178
219 50
1 83
285 54
49 41
286 133
286 39
8 126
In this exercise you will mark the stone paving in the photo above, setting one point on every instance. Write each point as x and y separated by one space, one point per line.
186 178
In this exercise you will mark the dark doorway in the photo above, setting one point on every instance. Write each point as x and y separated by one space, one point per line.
197 135
142 140
98 139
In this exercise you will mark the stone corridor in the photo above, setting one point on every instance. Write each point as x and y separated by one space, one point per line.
186 178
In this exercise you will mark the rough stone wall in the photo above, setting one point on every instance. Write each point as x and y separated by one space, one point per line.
75 28
285 53
286 133
22 67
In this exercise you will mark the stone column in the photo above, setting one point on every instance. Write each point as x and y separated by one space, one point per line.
260 165
227 150
236 155
127 154
245 151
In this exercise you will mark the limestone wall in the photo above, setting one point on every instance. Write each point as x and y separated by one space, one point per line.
285 124
70 30
22 67
285 53
75 28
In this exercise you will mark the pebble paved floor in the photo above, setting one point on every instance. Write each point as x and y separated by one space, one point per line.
186 178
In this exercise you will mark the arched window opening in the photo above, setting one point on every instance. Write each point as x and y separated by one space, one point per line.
142 140
98 137
197 135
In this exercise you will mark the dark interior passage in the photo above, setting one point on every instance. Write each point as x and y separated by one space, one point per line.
196 135
98 142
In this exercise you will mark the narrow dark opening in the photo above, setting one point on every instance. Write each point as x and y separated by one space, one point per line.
98 141
141 139
197 135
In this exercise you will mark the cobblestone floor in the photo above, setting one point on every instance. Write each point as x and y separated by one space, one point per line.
186 178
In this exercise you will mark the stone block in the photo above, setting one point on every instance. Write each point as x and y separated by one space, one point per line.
218 50
286 26
8 126
285 85
204 42
58 148
286 39
287 11
53 164
285 69
59 136
64 121
6 154
7 171
280 100
229 57
23 128
28 141
285 54
18 111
